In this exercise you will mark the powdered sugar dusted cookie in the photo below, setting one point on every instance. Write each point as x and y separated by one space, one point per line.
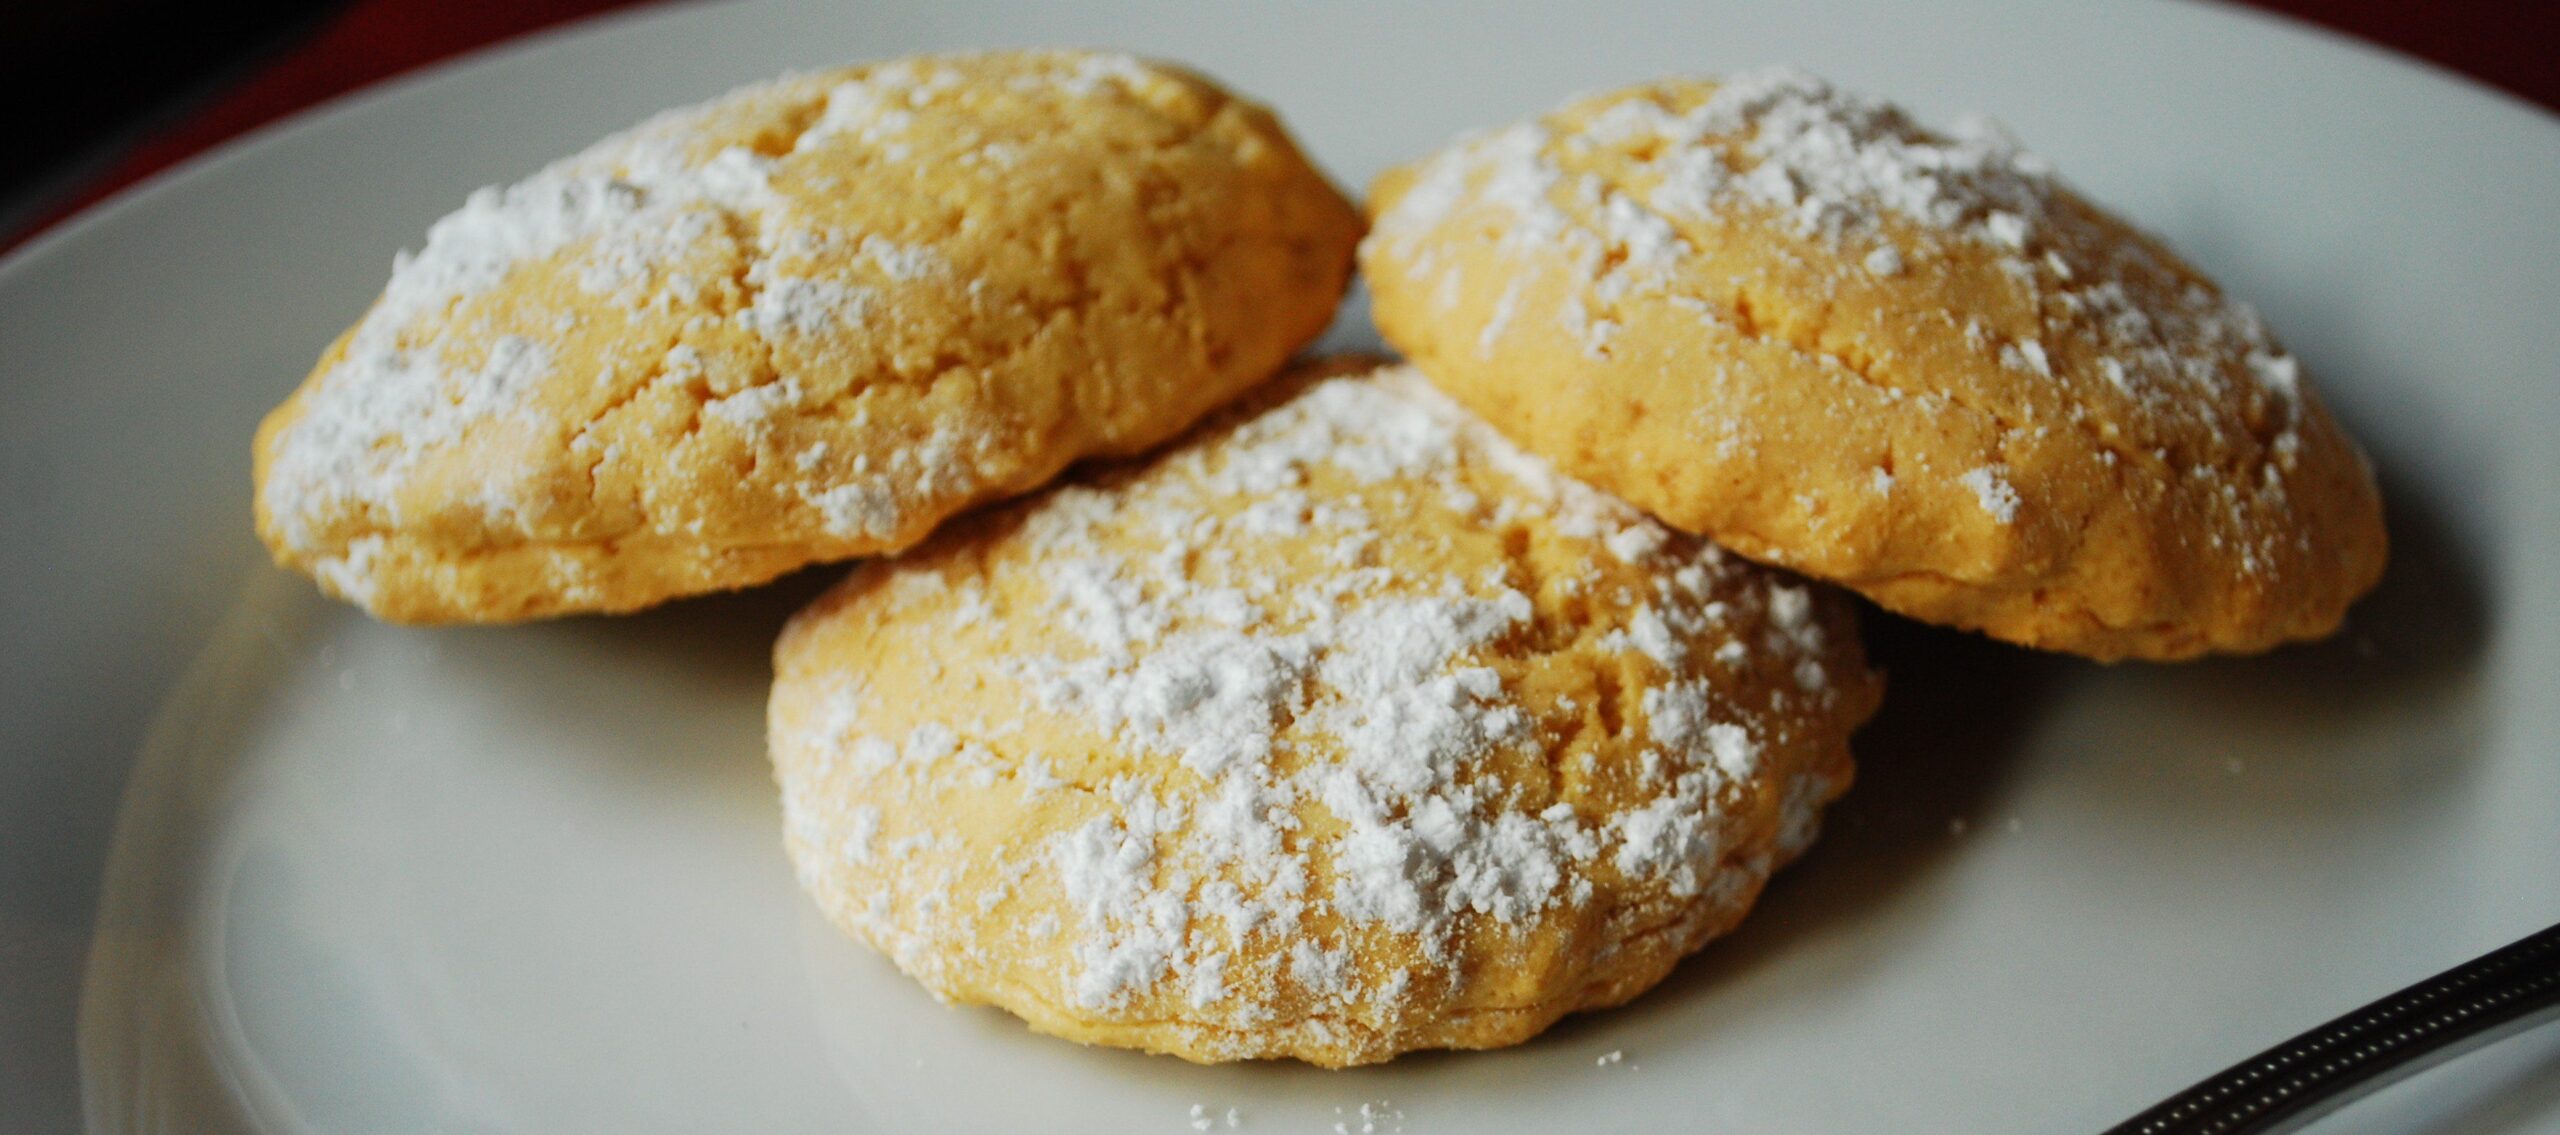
1793 320
1344 729
805 321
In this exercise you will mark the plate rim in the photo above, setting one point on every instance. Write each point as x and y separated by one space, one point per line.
64 237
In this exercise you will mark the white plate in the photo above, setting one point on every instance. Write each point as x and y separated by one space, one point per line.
370 879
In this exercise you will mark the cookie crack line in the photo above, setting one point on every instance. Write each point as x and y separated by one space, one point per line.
1046 314
1049 316
750 291
576 441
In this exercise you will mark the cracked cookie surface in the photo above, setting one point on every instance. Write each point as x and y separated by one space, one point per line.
1342 729
803 322
1912 363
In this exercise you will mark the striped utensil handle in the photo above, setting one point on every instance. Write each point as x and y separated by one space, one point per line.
2489 997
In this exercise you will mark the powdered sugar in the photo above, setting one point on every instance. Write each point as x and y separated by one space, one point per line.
877 108
1211 697
650 223
1204 1117
1093 73
876 500
622 209
1621 191
2027 355
903 262
1369 1119
1105 869
1834 161
1832 164
1326 750
801 307
365 425
755 408
1991 488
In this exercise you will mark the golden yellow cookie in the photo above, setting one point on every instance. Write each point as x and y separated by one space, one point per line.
1344 729
1790 319
805 321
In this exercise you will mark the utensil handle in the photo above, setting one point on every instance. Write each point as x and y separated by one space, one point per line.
2495 995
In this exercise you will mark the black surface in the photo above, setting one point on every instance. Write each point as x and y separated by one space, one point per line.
83 76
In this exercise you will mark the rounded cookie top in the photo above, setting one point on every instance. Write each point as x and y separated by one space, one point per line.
805 321
1342 730
1916 364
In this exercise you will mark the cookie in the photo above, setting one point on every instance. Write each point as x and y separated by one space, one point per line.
802 322
1342 730
1913 363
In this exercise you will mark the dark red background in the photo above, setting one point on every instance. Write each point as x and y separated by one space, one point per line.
2506 44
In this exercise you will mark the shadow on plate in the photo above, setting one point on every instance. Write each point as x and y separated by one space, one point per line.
727 633
1957 710
713 653
2427 622
2345 739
